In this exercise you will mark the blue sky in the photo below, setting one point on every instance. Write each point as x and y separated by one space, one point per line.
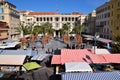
63 6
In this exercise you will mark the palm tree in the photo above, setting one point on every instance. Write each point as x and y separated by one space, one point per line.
66 27
31 27
37 29
50 29
78 29
43 28
47 28
23 29
65 33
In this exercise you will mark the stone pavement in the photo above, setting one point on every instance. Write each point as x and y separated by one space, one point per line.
51 45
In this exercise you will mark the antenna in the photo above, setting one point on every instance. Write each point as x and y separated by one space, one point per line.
57 10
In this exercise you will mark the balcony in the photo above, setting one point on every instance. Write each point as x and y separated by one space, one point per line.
99 25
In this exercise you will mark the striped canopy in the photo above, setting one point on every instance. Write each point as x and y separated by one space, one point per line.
115 75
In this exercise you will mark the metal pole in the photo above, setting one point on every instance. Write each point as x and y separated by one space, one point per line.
94 43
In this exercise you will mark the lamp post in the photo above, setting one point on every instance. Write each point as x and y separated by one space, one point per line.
95 39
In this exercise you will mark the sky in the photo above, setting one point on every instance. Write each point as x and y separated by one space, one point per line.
61 6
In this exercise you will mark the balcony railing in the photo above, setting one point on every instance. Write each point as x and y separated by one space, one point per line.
99 25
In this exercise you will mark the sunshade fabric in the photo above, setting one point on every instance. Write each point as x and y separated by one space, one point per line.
56 59
77 55
77 66
40 57
83 55
18 52
9 45
111 58
100 51
12 59
115 75
31 65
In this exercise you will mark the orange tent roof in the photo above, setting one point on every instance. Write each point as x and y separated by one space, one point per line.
56 59
83 55
42 13
111 58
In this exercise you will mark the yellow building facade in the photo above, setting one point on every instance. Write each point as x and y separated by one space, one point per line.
115 17
10 15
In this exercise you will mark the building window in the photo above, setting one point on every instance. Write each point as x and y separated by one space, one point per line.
62 18
107 22
40 19
44 19
117 28
118 3
76 19
37 19
1 17
108 7
56 19
65 18
105 15
112 5
47 18
108 15
69 19
72 18
1 10
111 22
112 13
51 19
111 31
56 25
118 16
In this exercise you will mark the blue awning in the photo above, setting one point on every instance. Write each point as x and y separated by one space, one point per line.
115 75
18 52
1 74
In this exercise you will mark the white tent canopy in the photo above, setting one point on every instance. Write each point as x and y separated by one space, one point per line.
77 67
12 59
100 51
9 45
40 57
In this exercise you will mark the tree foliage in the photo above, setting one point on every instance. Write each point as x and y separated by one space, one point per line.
46 28
65 28
23 28
78 29
37 29
116 45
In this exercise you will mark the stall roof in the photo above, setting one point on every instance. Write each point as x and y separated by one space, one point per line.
83 55
76 55
77 67
9 45
40 57
111 58
115 75
18 52
8 41
56 59
100 51
12 59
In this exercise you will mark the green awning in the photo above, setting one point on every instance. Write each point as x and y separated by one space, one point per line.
31 65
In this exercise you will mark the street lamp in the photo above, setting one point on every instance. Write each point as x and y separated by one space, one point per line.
95 39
